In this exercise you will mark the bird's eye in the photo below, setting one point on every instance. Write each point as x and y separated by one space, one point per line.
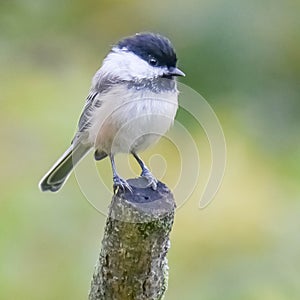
153 61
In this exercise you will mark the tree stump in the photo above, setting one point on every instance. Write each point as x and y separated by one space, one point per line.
132 264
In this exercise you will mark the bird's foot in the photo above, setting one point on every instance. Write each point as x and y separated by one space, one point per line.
120 183
152 181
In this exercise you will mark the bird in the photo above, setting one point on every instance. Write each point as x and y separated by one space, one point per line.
132 102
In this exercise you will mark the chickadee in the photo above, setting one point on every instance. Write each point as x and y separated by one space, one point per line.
132 102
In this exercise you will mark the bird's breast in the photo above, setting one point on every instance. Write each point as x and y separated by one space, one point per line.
132 120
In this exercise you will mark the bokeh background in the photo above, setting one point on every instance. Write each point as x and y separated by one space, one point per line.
243 57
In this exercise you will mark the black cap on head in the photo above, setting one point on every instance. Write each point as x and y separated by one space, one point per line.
156 49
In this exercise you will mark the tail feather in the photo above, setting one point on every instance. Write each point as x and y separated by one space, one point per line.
61 170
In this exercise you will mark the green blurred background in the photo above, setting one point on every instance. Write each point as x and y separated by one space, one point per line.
243 57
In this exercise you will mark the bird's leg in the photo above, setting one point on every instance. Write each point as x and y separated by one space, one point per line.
118 181
152 181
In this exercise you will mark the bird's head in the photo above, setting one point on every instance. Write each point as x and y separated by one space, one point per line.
142 56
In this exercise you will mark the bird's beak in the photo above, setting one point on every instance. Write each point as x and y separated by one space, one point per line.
175 72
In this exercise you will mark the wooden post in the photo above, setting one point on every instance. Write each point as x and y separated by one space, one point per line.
132 264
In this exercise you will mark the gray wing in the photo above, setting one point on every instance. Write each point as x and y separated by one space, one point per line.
92 102
102 83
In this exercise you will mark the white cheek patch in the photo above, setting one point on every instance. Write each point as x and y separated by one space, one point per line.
126 65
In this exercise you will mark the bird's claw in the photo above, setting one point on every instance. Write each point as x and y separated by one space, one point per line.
120 183
152 181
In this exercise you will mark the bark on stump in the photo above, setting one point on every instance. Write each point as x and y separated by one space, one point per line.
132 264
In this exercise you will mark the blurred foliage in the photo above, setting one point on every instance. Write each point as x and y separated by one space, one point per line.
243 57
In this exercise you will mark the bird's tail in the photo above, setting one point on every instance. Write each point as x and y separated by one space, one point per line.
61 170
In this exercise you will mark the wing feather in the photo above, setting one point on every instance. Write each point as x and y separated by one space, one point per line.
102 83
